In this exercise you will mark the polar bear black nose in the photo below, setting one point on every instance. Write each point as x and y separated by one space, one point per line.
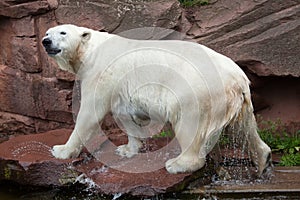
46 42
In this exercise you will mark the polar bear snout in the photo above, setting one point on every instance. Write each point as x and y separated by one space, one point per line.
47 43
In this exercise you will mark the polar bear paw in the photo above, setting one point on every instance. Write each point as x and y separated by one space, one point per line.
183 164
127 151
64 152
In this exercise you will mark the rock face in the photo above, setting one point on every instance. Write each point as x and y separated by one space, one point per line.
261 36
34 96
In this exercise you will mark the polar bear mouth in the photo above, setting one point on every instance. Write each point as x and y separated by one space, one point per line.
52 51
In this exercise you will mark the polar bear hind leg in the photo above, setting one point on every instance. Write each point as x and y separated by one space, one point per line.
260 151
134 133
188 160
130 149
246 124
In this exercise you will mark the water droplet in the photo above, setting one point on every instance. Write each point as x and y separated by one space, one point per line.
31 147
116 196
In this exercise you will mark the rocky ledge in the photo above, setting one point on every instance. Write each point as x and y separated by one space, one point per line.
27 160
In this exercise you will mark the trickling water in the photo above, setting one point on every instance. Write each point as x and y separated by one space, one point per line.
235 164
31 147
103 169
88 182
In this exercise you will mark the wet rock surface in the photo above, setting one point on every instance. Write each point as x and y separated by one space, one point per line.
27 160
283 184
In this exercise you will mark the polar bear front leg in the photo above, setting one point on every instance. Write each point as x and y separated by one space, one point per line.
79 137
65 152
86 126
71 149
130 149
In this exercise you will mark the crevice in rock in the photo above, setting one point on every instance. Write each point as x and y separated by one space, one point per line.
274 97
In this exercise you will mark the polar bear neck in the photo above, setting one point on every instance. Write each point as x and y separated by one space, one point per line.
65 64
75 61
82 60
70 61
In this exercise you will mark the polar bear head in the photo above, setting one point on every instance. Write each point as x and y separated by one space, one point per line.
66 44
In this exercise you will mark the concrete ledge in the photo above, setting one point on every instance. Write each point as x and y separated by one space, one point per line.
283 180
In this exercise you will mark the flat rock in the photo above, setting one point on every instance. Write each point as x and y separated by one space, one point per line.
27 160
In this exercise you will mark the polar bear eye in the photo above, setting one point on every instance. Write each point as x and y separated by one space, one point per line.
63 33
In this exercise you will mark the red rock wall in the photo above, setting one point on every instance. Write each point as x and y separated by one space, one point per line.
35 96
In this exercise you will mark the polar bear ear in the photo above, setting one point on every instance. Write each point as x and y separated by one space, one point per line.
85 36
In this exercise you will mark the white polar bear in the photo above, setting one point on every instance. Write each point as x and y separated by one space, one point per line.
143 82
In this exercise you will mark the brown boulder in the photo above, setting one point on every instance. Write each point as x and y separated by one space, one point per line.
118 16
19 9
263 35
40 96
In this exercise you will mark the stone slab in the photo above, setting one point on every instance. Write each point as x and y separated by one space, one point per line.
27 160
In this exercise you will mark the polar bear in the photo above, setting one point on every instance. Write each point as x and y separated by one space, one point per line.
197 90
